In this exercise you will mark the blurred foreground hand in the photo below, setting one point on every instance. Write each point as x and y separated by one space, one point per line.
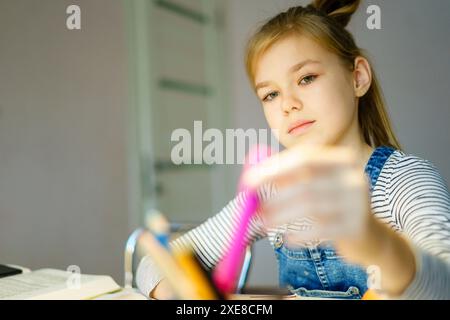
322 185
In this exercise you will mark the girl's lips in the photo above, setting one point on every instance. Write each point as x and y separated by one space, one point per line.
300 127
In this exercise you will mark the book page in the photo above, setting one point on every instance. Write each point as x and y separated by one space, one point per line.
53 284
124 294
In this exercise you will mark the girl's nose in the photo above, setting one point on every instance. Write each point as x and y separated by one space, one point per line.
291 103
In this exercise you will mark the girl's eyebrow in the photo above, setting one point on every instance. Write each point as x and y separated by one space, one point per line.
300 65
262 85
292 69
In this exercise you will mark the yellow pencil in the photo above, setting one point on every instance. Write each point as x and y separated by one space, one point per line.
371 295
175 275
195 274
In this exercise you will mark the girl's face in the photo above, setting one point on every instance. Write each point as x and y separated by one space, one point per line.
308 95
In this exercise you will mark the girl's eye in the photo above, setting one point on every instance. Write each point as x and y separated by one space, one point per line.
307 80
270 96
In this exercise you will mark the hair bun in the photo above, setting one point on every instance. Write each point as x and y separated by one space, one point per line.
339 10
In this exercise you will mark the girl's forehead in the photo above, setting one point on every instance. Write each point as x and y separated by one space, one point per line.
287 52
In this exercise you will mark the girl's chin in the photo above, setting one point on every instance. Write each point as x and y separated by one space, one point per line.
299 141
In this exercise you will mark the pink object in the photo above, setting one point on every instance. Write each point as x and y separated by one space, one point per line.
227 271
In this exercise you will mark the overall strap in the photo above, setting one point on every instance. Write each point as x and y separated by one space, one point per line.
376 164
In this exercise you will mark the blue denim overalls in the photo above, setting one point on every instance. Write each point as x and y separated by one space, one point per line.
317 270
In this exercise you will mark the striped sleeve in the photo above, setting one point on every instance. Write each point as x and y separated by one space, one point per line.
421 209
209 240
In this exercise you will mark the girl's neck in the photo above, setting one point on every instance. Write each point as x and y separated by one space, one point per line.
365 153
362 150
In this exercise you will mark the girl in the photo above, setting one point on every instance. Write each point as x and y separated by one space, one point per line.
317 88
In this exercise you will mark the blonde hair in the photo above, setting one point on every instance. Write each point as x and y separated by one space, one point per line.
324 21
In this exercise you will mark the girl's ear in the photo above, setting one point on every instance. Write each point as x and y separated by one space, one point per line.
362 76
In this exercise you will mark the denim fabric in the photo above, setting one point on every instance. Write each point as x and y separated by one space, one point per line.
376 164
316 270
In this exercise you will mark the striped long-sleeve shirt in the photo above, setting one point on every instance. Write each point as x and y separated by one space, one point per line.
409 195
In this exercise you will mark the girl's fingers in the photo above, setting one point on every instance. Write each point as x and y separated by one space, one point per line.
299 163
304 206
321 192
332 205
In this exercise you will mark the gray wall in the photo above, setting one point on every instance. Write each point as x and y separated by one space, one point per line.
63 103
411 56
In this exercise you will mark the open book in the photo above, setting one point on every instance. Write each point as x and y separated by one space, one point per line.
51 284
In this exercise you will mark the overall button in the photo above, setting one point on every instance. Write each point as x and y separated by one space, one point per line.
278 241
354 290
315 255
